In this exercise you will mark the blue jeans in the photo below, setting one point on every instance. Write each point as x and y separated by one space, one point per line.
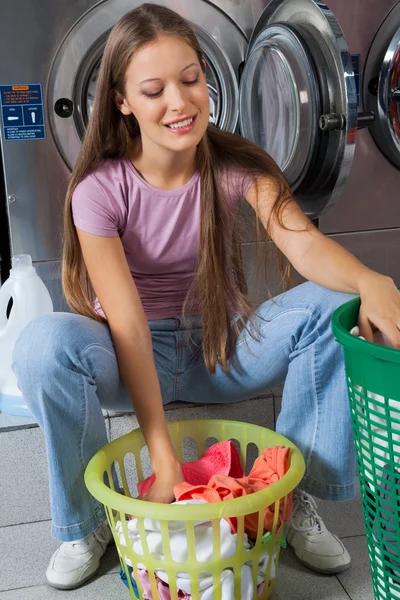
67 370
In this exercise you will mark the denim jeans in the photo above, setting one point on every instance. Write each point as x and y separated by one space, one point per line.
67 371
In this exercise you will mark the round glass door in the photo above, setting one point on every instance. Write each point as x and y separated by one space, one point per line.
298 99
280 91
383 94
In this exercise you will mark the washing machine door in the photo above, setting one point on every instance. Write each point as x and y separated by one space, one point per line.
298 99
74 73
382 86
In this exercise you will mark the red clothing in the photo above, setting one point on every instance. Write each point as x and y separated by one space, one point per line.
267 469
222 458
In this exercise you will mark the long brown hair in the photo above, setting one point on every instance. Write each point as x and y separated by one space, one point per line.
219 286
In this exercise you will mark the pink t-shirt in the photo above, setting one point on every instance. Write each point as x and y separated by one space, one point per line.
159 229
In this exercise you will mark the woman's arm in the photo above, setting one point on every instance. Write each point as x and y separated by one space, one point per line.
114 286
323 261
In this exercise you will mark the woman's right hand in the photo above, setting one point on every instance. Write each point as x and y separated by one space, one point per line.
162 490
121 303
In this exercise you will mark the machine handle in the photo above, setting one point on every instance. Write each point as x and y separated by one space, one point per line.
332 122
337 122
365 119
396 95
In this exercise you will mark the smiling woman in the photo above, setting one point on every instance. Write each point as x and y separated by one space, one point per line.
166 90
152 107
153 267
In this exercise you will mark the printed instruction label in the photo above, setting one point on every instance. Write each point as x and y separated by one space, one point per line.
22 112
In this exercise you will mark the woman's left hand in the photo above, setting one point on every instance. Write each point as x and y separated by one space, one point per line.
380 309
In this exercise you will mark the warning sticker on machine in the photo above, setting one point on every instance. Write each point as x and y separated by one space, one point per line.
22 112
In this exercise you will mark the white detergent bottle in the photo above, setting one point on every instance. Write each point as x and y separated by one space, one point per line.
30 299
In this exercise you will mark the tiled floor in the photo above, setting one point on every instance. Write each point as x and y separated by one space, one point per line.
25 547
25 551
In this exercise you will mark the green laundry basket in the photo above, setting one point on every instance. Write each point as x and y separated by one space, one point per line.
373 382
251 438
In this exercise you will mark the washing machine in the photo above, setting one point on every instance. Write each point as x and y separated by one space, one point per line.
279 72
367 218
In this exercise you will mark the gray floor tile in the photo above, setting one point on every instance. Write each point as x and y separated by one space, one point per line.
25 551
278 390
295 582
10 423
24 490
357 580
167 408
29 545
107 587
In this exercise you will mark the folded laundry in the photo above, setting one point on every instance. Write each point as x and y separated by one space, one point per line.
221 458
163 589
227 582
177 532
216 477
205 551
124 580
267 469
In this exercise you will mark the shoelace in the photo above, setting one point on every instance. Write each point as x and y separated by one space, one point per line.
97 534
311 521
79 543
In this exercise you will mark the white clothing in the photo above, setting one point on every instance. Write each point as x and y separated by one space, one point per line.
203 533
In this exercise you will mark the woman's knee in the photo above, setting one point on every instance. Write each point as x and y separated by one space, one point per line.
50 340
325 299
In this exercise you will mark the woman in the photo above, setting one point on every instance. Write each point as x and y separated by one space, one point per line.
152 231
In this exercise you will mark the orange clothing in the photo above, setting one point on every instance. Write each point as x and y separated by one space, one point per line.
267 469
221 458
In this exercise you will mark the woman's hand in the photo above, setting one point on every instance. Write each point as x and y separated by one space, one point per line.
162 489
380 308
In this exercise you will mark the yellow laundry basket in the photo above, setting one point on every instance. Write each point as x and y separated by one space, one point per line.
110 463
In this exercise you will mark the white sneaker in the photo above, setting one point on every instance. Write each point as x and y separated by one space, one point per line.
76 562
314 546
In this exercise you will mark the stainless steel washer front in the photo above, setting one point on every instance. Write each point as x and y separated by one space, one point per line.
303 45
298 99
382 86
280 85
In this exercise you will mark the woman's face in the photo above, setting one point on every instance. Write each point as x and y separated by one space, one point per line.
166 90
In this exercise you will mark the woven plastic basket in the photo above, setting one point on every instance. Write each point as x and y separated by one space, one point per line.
100 480
373 378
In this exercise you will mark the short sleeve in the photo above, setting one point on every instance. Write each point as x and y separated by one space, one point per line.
236 184
93 210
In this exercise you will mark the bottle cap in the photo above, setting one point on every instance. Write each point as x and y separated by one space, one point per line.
22 266
21 262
